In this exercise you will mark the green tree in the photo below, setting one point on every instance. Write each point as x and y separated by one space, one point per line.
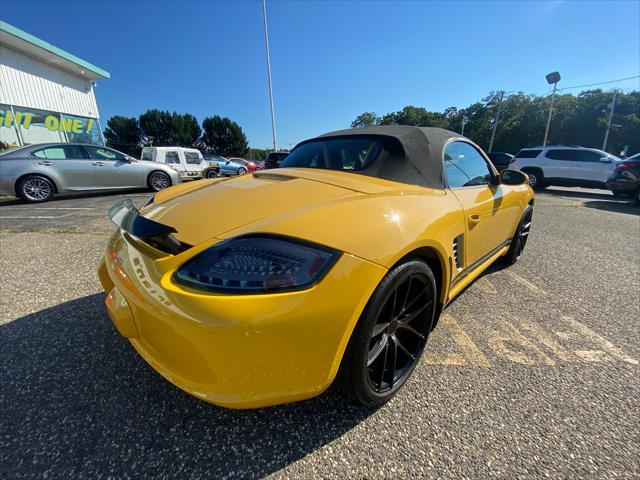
366 119
124 134
577 120
170 129
223 136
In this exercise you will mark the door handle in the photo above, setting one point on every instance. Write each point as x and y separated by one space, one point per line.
98 164
46 164
474 220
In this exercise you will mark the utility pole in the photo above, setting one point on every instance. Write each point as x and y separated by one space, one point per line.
553 77
464 122
266 41
495 123
606 135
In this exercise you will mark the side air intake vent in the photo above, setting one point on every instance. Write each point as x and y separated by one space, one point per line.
457 252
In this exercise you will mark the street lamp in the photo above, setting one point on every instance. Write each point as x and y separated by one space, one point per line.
552 78
266 41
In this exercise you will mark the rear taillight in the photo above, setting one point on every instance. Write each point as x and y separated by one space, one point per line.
513 160
627 164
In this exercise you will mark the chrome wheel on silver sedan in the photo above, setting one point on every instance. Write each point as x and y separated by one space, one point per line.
36 189
159 181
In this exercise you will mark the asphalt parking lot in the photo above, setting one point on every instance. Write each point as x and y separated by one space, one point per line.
532 372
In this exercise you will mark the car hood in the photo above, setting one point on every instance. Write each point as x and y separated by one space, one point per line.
205 209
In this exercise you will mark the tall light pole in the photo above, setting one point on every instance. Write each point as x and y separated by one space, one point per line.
495 123
464 122
552 78
613 106
266 42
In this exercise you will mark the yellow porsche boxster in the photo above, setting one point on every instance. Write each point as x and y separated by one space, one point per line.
266 288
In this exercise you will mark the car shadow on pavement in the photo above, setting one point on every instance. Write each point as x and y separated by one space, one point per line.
77 401
618 206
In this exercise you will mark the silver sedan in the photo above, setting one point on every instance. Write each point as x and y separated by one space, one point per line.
37 172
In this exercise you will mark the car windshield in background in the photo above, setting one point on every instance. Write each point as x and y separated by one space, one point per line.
351 154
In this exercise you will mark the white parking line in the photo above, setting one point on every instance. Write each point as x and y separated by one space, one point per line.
525 283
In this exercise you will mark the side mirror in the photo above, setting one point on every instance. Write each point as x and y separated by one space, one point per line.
228 162
128 159
605 160
513 177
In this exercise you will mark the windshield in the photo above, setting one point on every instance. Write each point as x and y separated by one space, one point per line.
349 154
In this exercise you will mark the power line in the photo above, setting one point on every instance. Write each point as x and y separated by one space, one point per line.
600 83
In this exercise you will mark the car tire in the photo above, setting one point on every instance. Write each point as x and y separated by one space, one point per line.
637 196
536 178
519 240
35 189
242 171
158 181
387 342
211 174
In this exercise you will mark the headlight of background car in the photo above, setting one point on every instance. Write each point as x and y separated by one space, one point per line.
257 264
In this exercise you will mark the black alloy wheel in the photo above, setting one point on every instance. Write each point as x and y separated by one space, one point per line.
212 174
389 339
519 240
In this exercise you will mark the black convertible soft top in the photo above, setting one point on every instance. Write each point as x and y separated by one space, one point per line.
421 162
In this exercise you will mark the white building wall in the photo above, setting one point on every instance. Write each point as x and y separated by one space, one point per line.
27 82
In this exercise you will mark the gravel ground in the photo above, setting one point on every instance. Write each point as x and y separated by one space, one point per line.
532 372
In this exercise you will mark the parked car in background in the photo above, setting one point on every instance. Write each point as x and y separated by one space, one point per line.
226 166
569 166
275 159
189 162
249 165
212 170
500 160
37 172
625 179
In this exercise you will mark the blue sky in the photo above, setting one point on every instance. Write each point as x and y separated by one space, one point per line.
332 60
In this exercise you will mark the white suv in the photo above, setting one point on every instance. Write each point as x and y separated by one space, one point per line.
566 166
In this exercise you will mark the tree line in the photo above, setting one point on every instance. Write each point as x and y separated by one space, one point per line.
217 135
577 120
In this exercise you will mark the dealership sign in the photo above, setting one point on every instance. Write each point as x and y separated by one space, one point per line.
52 122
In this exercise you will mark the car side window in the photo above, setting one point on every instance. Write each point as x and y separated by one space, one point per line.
63 152
172 157
192 158
569 155
465 166
589 156
102 153
51 152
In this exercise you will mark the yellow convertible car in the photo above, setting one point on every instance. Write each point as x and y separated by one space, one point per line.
266 288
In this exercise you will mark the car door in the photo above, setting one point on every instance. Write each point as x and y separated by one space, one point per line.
597 165
562 164
488 222
193 163
69 164
114 169
172 158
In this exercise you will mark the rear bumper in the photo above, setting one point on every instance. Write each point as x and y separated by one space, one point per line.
238 351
